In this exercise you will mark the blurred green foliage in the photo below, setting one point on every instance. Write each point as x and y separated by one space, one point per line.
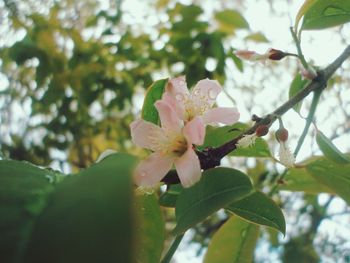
79 74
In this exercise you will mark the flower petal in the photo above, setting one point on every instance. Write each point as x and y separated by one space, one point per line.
145 134
177 87
286 156
178 106
194 131
223 115
168 117
151 170
206 90
188 168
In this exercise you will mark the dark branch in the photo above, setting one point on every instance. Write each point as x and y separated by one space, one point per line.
211 157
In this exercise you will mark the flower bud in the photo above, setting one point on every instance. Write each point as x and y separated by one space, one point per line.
281 135
309 74
262 130
275 54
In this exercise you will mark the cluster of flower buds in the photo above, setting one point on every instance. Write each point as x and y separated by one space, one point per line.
249 139
285 155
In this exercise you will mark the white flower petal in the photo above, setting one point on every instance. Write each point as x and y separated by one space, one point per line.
246 141
146 134
206 91
286 156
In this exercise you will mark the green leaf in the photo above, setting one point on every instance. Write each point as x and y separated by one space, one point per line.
335 176
298 179
329 150
297 85
154 93
324 13
168 199
151 229
24 191
89 217
230 20
217 188
303 9
234 242
238 62
257 37
260 209
216 136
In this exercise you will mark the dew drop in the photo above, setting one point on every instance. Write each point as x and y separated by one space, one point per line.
143 174
181 82
212 93
179 97
196 92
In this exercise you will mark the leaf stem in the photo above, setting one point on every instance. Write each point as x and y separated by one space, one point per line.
309 120
298 46
168 256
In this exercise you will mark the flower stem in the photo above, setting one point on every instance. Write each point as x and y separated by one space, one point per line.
168 256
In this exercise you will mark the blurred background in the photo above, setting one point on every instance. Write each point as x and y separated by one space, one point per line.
74 74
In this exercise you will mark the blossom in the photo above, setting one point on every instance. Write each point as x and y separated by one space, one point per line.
198 102
172 143
286 156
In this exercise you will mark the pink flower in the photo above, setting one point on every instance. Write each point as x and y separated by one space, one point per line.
199 102
172 143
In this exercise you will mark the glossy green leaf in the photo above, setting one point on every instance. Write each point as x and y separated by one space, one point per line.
24 191
298 179
303 9
324 13
216 136
257 37
333 175
230 20
234 242
260 209
150 229
217 188
297 85
89 217
168 199
330 150
154 93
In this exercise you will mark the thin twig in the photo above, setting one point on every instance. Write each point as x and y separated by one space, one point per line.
211 157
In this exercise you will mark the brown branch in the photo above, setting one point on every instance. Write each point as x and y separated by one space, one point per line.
211 157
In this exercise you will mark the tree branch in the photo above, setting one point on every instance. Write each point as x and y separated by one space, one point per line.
211 157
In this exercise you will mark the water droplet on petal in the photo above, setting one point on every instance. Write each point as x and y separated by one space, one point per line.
181 82
212 93
179 97
143 174
196 92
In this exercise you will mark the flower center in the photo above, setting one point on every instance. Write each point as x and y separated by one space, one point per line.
177 146
193 109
